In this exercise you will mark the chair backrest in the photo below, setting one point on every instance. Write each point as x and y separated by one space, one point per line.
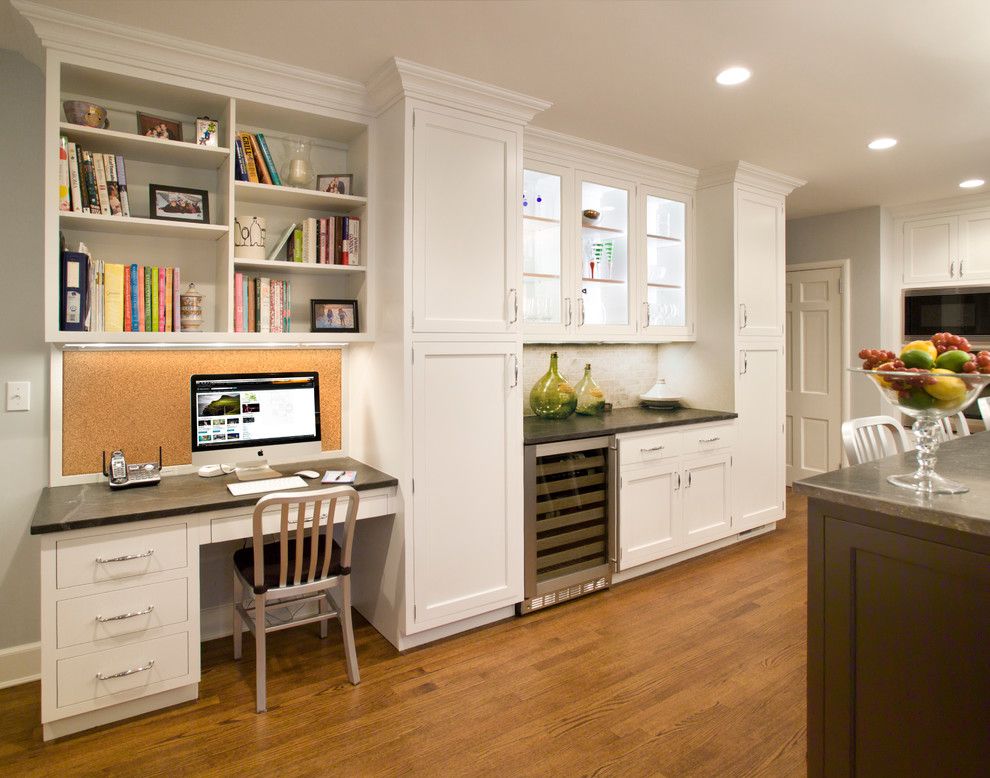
307 544
984 405
954 426
873 437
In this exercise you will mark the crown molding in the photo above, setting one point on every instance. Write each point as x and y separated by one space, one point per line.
232 72
752 175
944 205
578 151
399 78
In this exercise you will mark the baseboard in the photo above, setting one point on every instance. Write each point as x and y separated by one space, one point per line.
20 664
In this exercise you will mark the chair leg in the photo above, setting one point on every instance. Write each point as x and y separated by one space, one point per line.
347 628
324 608
238 627
259 653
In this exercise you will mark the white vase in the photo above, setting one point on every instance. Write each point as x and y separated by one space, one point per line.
250 233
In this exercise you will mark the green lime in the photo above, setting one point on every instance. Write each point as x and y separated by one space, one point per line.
916 358
918 399
952 360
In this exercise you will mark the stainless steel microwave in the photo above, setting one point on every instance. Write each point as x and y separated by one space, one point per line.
961 311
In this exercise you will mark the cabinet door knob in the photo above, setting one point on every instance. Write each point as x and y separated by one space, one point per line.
567 300
515 306
743 314
952 268
124 558
960 268
581 311
646 315
515 372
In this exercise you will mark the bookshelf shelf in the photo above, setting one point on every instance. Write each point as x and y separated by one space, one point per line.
292 197
307 268
133 225
138 148
199 339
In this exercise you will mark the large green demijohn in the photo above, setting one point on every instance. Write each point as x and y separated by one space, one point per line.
552 397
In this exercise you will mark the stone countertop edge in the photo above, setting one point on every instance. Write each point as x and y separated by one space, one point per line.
83 506
575 427
865 486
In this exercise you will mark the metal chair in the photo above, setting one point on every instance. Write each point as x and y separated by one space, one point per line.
954 427
984 405
873 437
302 565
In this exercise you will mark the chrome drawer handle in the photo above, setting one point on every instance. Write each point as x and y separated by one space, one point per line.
125 558
122 616
709 440
122 673
650 450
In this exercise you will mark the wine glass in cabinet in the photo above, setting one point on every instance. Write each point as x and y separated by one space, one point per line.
546 304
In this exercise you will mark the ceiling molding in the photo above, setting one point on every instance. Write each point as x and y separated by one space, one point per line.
72 33
943 205
400 78
577 151
752 175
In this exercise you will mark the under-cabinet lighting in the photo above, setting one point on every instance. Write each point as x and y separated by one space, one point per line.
880 144
972 183
732 76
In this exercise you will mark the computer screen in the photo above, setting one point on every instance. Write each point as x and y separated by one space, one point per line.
253 410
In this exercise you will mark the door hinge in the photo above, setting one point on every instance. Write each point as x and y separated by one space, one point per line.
412 319
414 486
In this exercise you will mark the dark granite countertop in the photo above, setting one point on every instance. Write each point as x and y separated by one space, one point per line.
62 508
537 430
964 459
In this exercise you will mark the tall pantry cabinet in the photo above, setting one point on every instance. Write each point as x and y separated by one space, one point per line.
446 392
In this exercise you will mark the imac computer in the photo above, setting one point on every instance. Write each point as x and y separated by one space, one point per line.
249 420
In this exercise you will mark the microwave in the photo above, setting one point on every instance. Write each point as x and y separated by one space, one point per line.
962 311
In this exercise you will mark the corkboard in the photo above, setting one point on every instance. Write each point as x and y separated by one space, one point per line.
138 400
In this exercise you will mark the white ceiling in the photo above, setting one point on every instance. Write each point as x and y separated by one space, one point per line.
828 76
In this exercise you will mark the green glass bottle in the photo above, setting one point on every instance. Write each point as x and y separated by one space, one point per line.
590 399
552 397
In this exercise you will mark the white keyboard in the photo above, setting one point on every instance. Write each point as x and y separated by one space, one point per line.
267 485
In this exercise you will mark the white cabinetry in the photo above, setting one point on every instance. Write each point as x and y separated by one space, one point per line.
649 512
707 498
759 264
974 246
947 248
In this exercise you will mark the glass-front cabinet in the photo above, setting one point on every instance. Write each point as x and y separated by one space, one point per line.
665 279
604 297
546 301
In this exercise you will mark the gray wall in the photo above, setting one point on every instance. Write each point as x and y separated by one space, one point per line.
23 355
856 236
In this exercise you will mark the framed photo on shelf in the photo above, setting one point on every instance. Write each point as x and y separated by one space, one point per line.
176 204
333 315
335 183
157 127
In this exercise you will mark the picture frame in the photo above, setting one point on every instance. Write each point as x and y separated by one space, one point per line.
174 203
335 183
158 127
334 316
207 131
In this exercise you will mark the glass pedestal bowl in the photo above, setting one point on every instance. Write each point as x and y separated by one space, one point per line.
927 398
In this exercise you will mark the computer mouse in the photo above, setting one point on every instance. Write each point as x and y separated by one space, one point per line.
308 474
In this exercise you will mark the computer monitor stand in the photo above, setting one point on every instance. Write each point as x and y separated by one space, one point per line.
255 471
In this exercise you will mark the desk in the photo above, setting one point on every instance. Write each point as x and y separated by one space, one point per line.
121 638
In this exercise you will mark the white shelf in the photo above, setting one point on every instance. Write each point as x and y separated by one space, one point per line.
132 225
312 268
142 149
600 228
111 340
667 238
291 197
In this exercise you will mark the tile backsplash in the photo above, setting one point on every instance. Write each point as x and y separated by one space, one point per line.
623 371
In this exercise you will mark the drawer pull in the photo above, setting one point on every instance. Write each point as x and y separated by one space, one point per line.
709 440
122 673
124 558
122 616
650 450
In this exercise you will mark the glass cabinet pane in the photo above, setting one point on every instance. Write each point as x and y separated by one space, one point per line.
665 267
605 254
541 247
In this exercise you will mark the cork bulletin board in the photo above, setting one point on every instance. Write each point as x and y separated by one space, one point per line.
139 400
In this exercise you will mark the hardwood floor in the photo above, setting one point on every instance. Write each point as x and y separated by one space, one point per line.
698 670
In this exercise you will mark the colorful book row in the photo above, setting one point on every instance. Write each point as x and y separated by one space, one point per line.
253 160
335 240
261 305
90 182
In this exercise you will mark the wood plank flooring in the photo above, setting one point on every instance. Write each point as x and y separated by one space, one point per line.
698 670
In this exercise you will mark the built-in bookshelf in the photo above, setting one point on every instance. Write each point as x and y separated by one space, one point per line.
204 252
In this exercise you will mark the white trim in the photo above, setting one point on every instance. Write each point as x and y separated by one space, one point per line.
119 711
407 642
20 664
750 175
948 205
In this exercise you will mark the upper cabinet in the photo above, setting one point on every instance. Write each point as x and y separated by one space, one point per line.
667 273
547 295
949 248
759 265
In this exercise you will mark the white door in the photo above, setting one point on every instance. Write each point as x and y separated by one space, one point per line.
814 372
930 249
706 508
666 276
467 503
759 265
649 511
467 177
974 246
758 477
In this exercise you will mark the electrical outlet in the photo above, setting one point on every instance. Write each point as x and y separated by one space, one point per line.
18 395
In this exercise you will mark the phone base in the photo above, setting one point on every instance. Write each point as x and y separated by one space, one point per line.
255 471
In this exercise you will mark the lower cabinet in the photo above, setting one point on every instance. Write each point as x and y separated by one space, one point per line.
706 498
649 513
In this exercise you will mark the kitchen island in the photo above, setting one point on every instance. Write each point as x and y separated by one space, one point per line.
899 619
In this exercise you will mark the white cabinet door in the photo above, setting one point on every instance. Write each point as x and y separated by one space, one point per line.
467 177
930 249
666 273
974 246
707 509
649 512
759 268
467 516
758 480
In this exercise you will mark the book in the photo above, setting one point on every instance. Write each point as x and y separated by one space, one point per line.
264 305
75 191
331 238
125 206
281 242
339 477
168 299
73 285
144 301
249 167
176 302
309 240
288 307
245 304
264 176
338 230
113 191
240 164
161 299
153 323
64 203
127 298
297 245
136 294
89 175
99 170
269 160
250 292
238 302
344 244
113 297
353 240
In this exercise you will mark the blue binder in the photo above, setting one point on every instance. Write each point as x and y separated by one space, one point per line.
73 291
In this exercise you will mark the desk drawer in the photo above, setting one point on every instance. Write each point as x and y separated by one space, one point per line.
140 668
121 612
116 555
648 448
709 439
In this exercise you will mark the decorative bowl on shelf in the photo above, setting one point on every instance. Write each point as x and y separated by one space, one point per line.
86 114
927 397
590 215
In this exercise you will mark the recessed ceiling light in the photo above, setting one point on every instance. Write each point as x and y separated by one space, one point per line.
733 76
882 143
972 183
